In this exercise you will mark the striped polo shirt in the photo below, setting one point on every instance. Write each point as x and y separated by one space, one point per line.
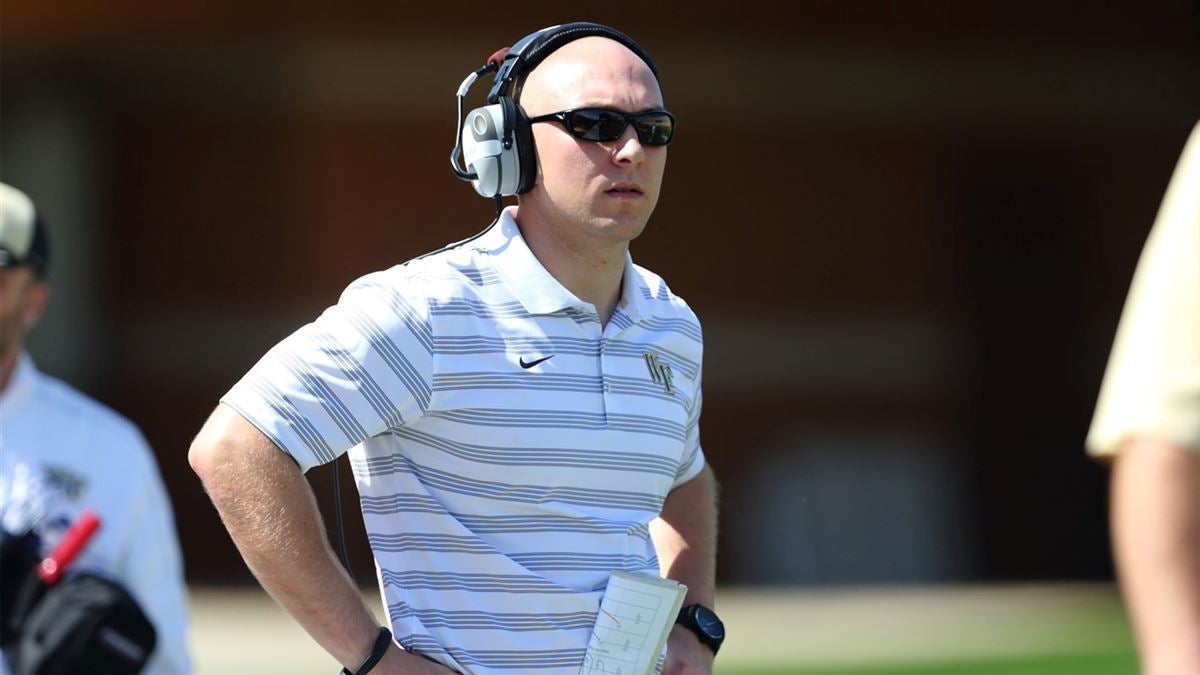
509 450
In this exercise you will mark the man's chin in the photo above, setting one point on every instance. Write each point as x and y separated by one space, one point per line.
621 227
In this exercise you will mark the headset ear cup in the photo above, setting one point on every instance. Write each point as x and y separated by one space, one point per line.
516 124
483 150
526 152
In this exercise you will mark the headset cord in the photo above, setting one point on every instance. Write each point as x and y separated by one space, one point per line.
337 507
492 64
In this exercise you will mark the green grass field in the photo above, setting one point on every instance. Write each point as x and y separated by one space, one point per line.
1079 664
1031 629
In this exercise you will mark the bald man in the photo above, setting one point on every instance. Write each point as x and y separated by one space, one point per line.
521 411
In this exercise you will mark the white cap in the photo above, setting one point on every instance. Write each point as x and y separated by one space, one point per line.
20 238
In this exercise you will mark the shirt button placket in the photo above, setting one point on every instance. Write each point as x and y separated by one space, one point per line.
605 386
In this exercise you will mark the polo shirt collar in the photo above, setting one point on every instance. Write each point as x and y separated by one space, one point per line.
536 289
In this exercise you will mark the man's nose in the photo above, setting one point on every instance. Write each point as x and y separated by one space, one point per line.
629 149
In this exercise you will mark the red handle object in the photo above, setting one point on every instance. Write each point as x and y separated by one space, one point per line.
74 539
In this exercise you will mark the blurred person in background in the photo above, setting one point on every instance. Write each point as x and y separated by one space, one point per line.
521 411
1148 419
62 452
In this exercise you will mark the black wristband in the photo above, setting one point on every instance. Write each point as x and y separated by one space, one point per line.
381 645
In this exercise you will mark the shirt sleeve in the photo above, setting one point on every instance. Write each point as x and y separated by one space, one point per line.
362 368
1152 384
693 456
152 570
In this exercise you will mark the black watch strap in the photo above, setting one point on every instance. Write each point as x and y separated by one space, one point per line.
704 623
381 645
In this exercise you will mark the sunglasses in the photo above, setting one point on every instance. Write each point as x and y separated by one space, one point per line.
653 127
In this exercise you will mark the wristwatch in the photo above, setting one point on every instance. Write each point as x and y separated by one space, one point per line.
704 623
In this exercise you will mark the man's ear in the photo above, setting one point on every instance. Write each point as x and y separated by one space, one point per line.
39 295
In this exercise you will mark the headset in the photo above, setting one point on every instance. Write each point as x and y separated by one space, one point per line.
496 141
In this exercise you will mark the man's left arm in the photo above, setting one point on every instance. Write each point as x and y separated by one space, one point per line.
685 539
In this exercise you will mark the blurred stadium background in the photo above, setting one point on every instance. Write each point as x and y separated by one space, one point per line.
908 229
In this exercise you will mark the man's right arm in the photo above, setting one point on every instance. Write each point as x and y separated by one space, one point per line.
268 507
1156 533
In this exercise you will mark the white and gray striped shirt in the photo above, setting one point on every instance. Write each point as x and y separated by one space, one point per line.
509 450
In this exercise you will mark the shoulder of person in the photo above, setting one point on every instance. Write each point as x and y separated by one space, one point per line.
103 425
663 301
445 274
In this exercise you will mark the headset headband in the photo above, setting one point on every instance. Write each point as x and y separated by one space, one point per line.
532 49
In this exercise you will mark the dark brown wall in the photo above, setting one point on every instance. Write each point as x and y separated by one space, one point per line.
897 222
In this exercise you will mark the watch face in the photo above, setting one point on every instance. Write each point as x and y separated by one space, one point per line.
709 623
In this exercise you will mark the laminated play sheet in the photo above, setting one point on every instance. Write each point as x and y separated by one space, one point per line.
637 613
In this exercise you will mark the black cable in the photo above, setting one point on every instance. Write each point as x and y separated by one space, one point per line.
461 172
337 507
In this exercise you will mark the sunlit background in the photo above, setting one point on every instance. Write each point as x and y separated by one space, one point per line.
907 228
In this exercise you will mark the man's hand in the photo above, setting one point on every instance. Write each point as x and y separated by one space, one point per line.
686 655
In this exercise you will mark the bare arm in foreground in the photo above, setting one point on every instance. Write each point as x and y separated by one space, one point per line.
1156 535
271 514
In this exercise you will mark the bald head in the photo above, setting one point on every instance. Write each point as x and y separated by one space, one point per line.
591 71
591 193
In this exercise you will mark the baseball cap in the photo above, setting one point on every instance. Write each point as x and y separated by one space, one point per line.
22 233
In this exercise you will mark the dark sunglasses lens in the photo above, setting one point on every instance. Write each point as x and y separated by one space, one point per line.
594 124
611 126
598 124
654 128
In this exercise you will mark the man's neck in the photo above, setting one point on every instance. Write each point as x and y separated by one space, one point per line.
591 270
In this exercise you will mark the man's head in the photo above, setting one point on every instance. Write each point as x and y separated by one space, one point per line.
607 189
24 255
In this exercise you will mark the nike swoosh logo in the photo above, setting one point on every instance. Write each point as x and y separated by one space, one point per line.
529 364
